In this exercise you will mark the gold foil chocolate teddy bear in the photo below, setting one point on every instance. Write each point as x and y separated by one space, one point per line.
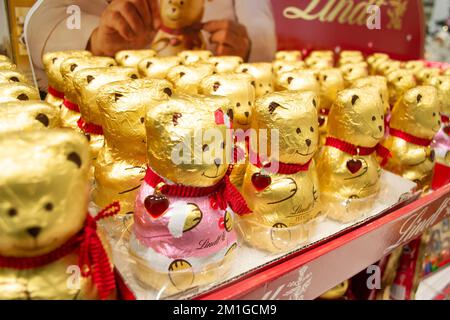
157 67
18 92
379 82
181 27
187 79
348 167
414 121
353 71
298 80
280 184
27 115
131 58
399 82
87 82
225 64
46 234
70 112
426 73
263 75
52 63
120 166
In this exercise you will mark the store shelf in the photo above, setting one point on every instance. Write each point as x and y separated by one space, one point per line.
309 273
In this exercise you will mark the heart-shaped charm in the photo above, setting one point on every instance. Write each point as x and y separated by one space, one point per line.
174 42
321 121
353 165
447 130
156 205
432 156
261 181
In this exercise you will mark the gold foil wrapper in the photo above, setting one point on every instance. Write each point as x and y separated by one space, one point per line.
442 84
157 67
385 67
299 80
172 124
7 65
12 76
416 113
44 194
426 73
121 163
87 82
18 92
280 66
350 53
322 54
414 65
356 117
194 56
187 78
131 58
318 62
288 55
399 82
239 90
4 58
262 74
350 59
374 59
379 82
353 71
27 115
225 64
284 211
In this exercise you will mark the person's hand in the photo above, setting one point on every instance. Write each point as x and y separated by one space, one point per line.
228 38
125 24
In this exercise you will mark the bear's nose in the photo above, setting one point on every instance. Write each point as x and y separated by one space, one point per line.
34 231
217 162
380 128
247 113
308 142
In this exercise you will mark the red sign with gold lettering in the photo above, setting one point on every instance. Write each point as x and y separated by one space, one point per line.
395 27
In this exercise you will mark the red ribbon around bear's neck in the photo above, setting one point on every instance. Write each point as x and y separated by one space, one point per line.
93 259
71 106
445 118
409 137
89 127
191 35
221 194
283 168
353 150
55 93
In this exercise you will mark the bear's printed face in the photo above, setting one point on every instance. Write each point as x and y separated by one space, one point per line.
294 115
377 81
185 144
299 80
177 14
442 84
11 76
418 112
27 115
262 73
43 190
357 116
399 82
157 67
224 64
52 62
331 82
288 55
123 106
239 90
131 58
87 82
18 92
187 79
194 56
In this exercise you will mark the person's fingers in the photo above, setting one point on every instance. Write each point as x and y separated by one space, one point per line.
154 9
144 9
225 37
217 25
225 50
115 21
133 17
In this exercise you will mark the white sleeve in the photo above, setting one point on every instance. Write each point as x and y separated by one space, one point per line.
257 17
46 28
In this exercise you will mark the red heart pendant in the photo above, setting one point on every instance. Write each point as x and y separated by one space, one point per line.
261 181
321 121
174 42
354 165
447 130
156 205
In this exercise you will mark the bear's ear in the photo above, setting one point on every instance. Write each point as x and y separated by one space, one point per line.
175 117
73 66
253 83
134 76
23 97
244 70
42 118
168 91
54 60
273 106
314 103
354 99
216 86
149 63
117 96
14 79
75 158
289 79
89 78
182 74
419 98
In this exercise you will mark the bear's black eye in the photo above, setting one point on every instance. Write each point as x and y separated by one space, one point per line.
133 76
75 158
126 57
42 118
168 91
382 117
22 97
14 79
238 104
324 77
249 103
298 130
205 147
12 212
374 118
289 80
314 103
142 119
419 97
149 63
48 206
434 114
311 129
354 98
260 85
253 83
89 78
